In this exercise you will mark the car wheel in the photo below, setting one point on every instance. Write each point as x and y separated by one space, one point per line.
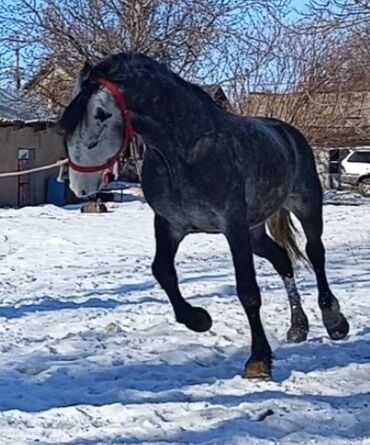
364 187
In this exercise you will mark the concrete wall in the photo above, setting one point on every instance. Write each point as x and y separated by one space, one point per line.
49 148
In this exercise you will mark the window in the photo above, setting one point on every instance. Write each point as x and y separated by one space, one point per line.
360 156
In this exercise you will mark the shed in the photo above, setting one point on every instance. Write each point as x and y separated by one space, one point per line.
330 120
27 140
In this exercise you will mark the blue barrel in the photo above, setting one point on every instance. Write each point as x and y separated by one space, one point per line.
56 192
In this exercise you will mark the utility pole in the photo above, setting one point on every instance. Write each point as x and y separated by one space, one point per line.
17 74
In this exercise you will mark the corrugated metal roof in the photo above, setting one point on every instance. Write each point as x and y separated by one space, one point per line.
17 109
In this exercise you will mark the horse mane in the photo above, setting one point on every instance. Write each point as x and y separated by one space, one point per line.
119 68
141 64
76 110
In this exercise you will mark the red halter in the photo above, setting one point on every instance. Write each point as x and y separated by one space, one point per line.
128 136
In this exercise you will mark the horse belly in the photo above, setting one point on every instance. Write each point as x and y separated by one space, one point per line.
264 197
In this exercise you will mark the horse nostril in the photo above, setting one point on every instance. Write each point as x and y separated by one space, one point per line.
83 192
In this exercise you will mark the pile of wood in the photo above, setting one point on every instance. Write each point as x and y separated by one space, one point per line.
94 207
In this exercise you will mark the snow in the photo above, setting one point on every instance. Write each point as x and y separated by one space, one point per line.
90 353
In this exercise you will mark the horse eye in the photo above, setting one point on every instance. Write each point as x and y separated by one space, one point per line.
102 115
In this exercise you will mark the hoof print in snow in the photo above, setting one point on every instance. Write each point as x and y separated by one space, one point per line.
32 369
113 328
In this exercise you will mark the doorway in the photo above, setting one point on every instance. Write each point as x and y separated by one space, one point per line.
26 183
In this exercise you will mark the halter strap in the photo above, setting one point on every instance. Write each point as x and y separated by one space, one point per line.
128 135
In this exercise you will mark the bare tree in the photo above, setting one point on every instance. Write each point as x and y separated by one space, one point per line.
345 65
340 14
319 82
202 40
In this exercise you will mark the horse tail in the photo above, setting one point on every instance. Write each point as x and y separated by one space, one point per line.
285 233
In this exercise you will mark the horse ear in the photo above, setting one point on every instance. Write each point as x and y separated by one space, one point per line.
85 72
84 77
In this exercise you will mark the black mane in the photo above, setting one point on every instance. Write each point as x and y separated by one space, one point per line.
76 110
118 68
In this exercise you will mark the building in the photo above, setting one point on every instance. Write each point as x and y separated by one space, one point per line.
217 94
331 121
27 140
51 86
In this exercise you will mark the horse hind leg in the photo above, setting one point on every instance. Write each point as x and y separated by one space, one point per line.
308 209
267 248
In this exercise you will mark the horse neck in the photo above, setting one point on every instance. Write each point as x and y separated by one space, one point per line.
164 120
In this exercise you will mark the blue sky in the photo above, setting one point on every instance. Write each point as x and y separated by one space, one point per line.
300 5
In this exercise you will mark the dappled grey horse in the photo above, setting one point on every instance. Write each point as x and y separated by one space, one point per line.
205 170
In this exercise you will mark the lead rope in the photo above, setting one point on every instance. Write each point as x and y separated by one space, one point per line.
62 171
61 164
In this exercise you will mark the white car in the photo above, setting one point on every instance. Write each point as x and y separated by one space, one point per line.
355 170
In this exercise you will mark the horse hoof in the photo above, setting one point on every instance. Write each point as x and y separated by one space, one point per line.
299 330
257 370
297 334
335 323
198 320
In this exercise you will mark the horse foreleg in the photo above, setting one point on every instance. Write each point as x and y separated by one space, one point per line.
168 239
237 234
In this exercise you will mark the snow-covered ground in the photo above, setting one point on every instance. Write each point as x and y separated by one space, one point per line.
90 353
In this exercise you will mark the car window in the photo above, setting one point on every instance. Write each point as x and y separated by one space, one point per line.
336 155
343 153
360 156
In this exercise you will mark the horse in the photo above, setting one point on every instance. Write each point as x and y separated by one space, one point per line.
206 170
